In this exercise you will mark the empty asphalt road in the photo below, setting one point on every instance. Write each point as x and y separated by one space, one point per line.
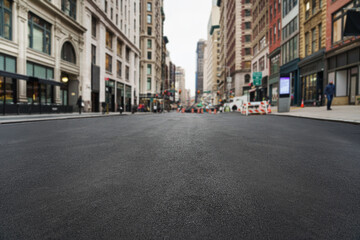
180 176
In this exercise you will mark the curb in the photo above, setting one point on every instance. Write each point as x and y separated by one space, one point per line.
320 119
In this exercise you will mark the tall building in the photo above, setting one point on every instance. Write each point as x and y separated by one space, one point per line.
41 56
212 55
200 50
312 50
181 92
236 46
274 49
112 41
260 40
342 54
152 51
290 47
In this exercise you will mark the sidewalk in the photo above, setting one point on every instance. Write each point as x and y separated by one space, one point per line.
46 117
349 114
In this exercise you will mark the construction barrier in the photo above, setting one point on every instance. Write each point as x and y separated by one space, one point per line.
261 108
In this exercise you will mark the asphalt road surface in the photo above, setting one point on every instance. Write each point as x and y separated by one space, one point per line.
180 176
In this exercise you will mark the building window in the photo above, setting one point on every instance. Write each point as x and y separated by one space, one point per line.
111 13
320 33
8 64
149 55
93 26
247 78
313 7
247 51
69 8
262 64
149 69
149 31
6 19
307 10
149 7
93 54
119 69
119 48
148 85
117 19
149 19
247 38
106 6
306 44
109 36
149 44
247 13
247 25
108 63
313 40
127 73
255 67
127 54
68 53
247 64
39 34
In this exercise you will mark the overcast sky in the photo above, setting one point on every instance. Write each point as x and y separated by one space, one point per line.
186 22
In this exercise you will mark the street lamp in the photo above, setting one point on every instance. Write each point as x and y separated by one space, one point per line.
64 79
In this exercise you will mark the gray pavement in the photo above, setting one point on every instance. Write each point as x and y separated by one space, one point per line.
349 114
180 176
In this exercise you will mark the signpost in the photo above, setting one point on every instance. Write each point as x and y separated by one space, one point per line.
257 77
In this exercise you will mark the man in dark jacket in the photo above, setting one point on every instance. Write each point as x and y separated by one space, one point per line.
80 104
329 92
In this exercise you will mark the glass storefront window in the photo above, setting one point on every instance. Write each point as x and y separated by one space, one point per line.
43 93
9 90
49 94
36 93
29 92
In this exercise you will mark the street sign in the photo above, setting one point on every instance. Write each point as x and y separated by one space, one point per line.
257 77
206 91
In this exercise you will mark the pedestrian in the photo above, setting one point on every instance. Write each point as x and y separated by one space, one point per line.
329 93
155 108
121 109
80 104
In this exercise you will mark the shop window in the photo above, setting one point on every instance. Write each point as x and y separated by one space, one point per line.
6 19
341 83
39 34
69 8
64 96
68 53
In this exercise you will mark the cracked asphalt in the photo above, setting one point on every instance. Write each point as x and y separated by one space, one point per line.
180 176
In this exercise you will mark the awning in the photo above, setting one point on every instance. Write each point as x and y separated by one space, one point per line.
31 79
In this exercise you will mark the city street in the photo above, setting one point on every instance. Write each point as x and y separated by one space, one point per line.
180 176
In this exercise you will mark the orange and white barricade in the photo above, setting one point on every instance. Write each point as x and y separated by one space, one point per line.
255 108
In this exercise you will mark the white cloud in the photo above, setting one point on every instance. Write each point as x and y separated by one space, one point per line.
186 22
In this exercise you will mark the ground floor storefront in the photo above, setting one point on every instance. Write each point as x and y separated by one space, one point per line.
291 71
117 94
312 79
343 68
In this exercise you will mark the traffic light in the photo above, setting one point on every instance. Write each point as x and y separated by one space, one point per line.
218 93
180 91
165 92
198 92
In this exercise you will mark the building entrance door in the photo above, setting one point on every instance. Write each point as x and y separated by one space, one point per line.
95 102
353 81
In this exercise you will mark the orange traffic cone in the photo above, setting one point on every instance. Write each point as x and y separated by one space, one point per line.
302 104
215 111
269 108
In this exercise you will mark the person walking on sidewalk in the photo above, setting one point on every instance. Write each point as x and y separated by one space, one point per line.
80 104
329 93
